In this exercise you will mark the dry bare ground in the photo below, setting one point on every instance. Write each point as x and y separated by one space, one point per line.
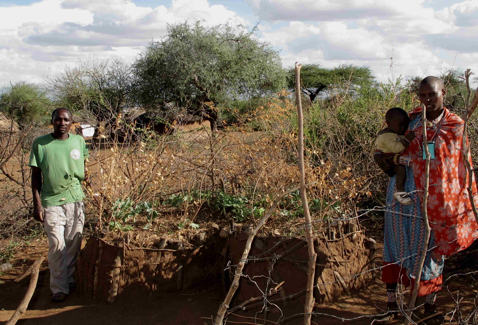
191 307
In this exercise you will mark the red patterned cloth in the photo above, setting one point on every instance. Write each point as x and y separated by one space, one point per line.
393 273
449 208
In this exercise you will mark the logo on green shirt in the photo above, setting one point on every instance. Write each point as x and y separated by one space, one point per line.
75 154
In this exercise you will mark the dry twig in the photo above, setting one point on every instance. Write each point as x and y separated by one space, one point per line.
34 270
272 292
426 225
466 148
309 297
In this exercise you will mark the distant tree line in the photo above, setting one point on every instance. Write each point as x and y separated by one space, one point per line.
194 70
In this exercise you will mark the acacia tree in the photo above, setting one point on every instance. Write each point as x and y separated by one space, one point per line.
26 103
101 88
199 68
315 79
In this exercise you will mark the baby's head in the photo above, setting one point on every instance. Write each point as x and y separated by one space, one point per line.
397 120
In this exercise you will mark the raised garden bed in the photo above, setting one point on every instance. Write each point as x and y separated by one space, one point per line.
109 271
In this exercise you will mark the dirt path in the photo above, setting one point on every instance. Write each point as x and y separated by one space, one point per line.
183 308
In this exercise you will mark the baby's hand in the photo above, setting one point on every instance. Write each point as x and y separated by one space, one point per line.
410 136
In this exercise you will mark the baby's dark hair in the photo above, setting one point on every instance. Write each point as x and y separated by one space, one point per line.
395 112
60 109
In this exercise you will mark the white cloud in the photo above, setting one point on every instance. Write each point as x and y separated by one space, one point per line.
334 40
322 10
39 39
370 32
47 14
464 16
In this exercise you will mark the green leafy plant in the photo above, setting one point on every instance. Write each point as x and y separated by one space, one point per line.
118 226
125 209
9 252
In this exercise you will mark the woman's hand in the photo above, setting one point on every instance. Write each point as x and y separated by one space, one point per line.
410 136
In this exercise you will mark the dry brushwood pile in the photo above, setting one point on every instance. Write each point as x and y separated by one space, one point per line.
174 211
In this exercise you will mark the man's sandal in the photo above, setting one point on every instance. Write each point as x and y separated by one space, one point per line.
58 297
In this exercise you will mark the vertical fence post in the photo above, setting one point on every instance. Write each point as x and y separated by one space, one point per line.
309 297
426 225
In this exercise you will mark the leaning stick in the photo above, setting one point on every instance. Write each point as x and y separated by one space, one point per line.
22 308
240 266
272 292
309 296
466 148
418 277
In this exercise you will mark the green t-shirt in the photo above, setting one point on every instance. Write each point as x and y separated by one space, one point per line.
62 164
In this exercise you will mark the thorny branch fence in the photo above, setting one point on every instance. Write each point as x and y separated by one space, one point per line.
456 315
407 312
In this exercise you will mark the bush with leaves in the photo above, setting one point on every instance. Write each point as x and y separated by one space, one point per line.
202 68
99 88
27 103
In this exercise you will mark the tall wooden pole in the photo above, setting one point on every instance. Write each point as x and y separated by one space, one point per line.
466 152
309 296
426 225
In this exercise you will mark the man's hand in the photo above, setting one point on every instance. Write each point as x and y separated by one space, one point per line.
36 189
38 213
410 136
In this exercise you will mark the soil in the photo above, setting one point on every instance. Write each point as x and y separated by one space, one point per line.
196 305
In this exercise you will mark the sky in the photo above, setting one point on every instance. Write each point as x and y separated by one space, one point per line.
40 38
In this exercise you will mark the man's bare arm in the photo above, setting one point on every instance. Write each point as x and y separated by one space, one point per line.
36 190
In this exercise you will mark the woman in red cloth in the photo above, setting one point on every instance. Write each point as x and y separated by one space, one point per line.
450 214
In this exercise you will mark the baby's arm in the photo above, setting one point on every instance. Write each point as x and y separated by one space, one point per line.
398 146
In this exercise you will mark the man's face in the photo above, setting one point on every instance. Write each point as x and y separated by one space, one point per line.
431 96
398 125
61 122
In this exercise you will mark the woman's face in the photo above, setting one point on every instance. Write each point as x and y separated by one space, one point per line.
431 96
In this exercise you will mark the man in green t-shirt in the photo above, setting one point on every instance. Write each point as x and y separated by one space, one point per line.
58 167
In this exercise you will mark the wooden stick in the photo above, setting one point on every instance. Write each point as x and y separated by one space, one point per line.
97 270
466 150
272 292
115 276
22 308
427 318
240 266
418 277
309 296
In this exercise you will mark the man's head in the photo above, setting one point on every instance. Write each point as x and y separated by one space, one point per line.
61 118
397 120
431 93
